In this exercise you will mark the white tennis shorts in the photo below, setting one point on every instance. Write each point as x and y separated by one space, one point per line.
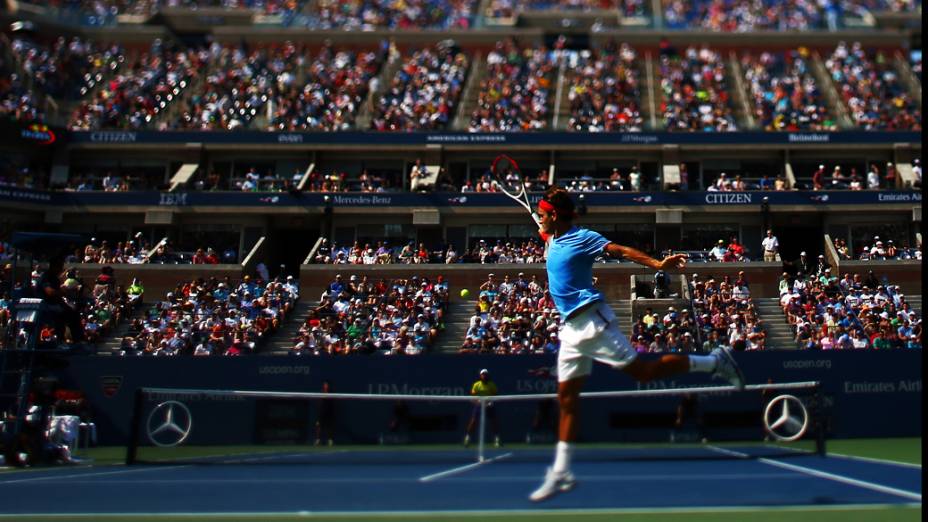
593 334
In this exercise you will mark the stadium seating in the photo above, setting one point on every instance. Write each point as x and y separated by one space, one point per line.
514 95
366 316
784 92
140 91
370 14
512 316
424 92
695 94
725 313
850 313
337 82
212 317
603 90
869 86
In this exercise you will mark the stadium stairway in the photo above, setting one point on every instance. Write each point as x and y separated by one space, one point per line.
457 321
468 101
623 312
110 344
916 302
367 110
281 341
779 332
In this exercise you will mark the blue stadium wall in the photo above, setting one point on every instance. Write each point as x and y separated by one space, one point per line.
867 394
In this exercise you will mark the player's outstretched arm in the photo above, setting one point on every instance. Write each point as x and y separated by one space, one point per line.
676 261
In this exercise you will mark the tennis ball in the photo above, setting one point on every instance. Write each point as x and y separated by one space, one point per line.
465 293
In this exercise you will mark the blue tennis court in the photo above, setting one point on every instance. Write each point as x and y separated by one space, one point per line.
346 481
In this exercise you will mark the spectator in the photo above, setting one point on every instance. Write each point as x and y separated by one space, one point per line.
771 247
719 251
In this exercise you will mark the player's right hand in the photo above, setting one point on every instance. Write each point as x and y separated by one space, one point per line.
676 261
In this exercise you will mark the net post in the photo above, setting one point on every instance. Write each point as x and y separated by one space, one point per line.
136 420
818 413
482 431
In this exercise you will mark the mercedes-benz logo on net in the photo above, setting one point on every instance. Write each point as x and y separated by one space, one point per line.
169 424
786 418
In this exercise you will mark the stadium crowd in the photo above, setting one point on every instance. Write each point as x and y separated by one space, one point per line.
212 317
871 89
366 15
603 90
239 84
874 179
750 15
514 94
512 316
784 92
877 251
362 315
694 92
526 251
106 9
139 91
848 313
287 87
725 314
99 307
66 69
425 91
336 84
671 332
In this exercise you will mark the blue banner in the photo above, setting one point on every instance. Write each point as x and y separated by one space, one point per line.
482 139
867 393
448 199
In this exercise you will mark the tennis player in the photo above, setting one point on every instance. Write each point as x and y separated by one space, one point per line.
589 329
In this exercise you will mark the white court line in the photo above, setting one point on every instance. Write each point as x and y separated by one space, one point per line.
857 457
878 461
540 513
462 469
830 476
506 479
97 474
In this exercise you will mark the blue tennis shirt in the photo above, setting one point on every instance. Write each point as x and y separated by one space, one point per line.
570 268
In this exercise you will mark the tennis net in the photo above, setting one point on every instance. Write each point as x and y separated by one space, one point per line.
240 426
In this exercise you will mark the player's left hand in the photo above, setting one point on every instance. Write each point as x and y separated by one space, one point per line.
677 261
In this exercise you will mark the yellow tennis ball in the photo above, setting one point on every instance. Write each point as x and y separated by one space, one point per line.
465 293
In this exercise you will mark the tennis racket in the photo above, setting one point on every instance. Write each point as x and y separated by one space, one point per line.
508 179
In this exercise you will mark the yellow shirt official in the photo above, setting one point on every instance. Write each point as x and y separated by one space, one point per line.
483 389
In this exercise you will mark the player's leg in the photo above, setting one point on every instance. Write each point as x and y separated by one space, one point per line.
614 349
719 363
572 369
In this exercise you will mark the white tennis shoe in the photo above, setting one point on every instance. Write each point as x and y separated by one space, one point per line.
555 482
727 369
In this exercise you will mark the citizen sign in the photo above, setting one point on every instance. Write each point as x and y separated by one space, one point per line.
725 198
113 137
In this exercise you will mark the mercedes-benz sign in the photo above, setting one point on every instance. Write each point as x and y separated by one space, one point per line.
169 424
786 418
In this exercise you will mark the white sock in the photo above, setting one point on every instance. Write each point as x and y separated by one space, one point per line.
703 363
562 454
